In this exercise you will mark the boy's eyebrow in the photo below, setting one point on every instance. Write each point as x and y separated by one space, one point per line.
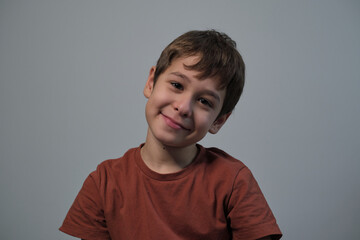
214 95
178 74
211 93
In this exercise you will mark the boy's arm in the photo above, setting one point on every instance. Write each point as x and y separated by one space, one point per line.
85 218
249 215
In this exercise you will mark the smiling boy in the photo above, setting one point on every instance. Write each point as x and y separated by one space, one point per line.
170 187
180 110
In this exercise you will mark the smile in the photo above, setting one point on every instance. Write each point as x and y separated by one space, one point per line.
172 123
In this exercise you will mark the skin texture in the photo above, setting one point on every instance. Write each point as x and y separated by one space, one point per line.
180 111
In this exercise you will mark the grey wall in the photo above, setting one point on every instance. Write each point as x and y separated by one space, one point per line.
71 79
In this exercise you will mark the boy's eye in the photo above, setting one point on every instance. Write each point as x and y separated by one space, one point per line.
205 102
177 85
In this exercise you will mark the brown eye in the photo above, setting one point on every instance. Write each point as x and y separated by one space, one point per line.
177 85
205 102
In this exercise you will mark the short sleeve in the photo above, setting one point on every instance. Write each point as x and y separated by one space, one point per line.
249 215
85 218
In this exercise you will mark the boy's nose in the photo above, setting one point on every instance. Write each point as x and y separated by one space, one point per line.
184 106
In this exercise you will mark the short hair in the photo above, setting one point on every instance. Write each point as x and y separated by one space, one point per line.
219 58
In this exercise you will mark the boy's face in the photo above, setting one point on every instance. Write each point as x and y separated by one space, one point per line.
181 109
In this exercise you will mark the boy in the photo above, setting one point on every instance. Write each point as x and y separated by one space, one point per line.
170 187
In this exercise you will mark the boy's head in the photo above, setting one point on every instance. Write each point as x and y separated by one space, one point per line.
218 59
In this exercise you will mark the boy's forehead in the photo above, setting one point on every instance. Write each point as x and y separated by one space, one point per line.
188 60
189 63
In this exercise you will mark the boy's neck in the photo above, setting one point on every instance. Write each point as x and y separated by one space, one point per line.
164 159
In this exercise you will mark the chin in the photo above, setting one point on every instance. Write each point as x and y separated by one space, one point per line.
175 143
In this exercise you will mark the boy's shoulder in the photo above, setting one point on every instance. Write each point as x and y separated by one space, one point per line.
221 161
121 165
214 154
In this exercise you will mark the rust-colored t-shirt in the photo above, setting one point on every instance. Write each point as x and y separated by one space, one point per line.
215 197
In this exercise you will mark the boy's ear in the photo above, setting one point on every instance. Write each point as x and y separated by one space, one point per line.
149 86
215 127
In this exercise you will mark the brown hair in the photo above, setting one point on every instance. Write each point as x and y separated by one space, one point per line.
218 58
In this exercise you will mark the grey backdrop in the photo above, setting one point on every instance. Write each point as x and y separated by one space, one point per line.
72 74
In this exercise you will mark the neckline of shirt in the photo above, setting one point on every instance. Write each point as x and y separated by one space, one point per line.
169 176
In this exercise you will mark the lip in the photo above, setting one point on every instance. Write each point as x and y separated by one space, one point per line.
173 124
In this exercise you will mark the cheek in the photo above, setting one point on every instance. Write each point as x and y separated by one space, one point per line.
158 99
205 121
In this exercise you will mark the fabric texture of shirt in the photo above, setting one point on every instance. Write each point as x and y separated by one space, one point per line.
215 197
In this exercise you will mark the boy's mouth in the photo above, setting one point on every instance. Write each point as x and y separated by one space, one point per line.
172 123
